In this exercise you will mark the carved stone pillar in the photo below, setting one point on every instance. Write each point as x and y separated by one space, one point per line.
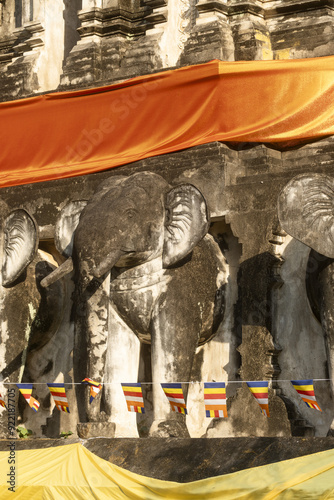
301 29
250 32
105 18
158 14
181 16
258 347
113 44
211 37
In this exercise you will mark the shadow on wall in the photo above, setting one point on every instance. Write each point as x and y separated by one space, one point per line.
71 25
24 13
255 279
299 333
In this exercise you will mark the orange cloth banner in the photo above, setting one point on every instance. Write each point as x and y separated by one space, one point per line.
67 134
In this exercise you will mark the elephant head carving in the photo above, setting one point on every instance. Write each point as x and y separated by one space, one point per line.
305 209
20 245
306 212
142 218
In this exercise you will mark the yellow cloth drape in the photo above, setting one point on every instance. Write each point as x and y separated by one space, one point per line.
74 133
71 472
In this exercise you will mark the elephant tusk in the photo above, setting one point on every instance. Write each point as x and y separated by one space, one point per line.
58 273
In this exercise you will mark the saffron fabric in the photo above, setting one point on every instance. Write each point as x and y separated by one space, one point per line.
95 388
59 396
72 472
260 393
174 394
134 397
67 134
305 389
215 399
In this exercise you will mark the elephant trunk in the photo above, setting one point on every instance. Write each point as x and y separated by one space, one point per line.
90 344
108 263
91 328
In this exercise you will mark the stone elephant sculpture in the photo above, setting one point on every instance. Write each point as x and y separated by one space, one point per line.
29 315
305 210
166 283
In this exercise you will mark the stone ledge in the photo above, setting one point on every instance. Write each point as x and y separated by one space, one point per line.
258 8
186 460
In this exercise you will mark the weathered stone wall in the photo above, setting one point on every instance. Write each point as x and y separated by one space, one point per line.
269 331
59 45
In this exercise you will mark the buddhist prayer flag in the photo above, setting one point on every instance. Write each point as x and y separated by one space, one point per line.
26 390
34 404
175 397
260 392
215 399
2 403
134 397
95 388
59 396
306 390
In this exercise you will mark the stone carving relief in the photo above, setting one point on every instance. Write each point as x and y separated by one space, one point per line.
183 21
305 210
146 272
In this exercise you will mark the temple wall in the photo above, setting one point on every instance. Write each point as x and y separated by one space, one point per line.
62 45
269 331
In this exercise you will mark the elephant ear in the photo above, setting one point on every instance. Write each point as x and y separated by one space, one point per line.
66 225
187 222
20 245
305 210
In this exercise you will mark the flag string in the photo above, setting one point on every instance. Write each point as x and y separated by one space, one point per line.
191 382
214 394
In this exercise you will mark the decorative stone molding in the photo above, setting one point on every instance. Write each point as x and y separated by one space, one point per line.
251 36
180 19
158 13
258 8
183 21
254 7
31 36
106 22
209 10
7 50
28 37
127 19
287 7
211 35
19 31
